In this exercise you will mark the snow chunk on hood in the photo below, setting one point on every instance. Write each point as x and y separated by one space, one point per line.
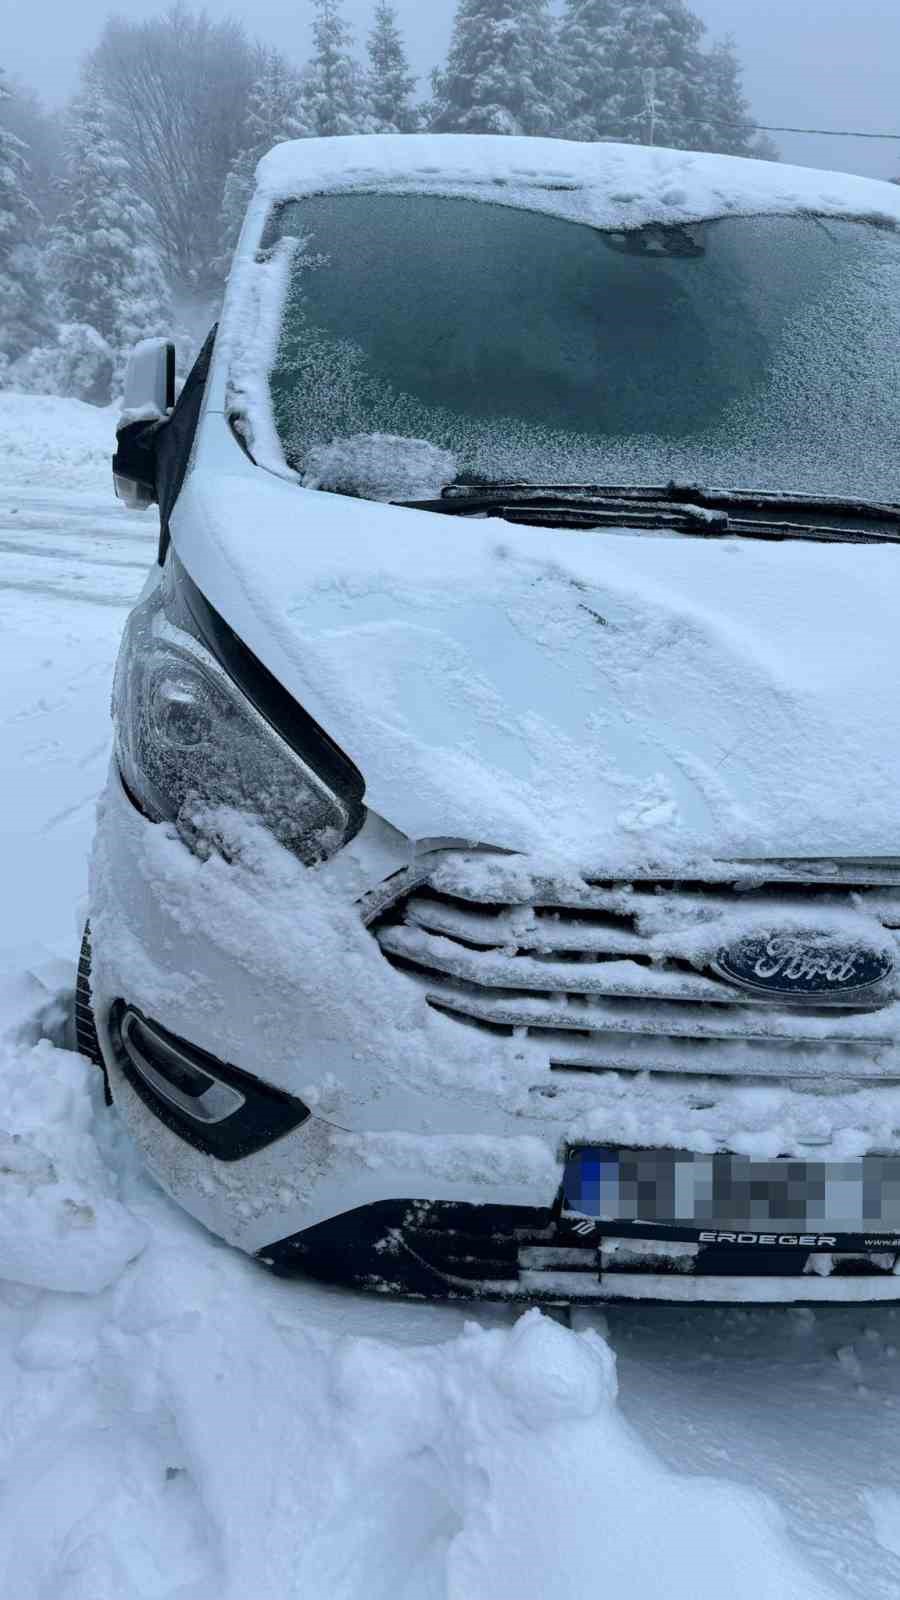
380 466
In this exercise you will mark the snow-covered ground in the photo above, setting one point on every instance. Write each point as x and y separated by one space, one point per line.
176 1423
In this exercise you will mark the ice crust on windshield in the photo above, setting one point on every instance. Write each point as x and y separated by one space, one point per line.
844 334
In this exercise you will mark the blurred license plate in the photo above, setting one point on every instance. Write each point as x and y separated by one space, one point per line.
680 1189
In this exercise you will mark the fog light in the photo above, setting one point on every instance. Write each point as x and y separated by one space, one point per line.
168 1071
217 1108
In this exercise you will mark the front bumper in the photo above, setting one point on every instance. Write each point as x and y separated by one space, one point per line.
433 1250
432 1162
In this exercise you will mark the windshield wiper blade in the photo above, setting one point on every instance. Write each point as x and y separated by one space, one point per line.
592 507
683 508
677 493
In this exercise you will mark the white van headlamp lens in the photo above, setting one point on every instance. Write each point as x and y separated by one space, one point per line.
181 710
190 743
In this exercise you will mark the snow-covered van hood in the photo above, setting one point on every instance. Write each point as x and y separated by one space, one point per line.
605 697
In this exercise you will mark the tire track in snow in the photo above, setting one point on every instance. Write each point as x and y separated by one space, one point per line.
121 601
98 557
71 565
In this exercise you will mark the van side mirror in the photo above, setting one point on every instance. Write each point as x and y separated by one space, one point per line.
147 403
149 382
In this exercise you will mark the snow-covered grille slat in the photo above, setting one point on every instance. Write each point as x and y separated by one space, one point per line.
513 972
511 880
601 971
688 1022
711 1056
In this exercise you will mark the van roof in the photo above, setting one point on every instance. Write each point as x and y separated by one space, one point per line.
606 185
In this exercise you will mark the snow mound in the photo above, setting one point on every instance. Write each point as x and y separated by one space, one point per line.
493 1464
61 1226
47 440
55 1234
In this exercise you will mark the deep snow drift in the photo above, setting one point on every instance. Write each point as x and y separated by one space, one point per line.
177 1425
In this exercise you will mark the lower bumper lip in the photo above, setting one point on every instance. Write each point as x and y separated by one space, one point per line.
442 1250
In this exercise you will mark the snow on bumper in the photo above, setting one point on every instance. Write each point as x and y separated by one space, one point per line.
269 967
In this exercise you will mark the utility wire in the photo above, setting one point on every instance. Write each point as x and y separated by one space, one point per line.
764 127
828 133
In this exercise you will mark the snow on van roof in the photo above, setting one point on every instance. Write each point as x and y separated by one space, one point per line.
607 185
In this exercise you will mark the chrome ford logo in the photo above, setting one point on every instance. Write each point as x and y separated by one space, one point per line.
805 965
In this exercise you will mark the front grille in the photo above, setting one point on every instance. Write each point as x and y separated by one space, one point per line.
602 970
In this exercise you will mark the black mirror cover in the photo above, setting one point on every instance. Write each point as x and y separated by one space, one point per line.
175 438
134 465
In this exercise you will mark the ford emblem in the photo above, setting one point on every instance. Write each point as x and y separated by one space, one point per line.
805 966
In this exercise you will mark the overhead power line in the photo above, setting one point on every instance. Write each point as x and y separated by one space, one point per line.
827 133
761 127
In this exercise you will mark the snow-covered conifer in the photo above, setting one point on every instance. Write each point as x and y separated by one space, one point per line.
106 271
334 94
40 131
725 121
500 74
20 310
636 70
275 112
586 81
391 82
624 43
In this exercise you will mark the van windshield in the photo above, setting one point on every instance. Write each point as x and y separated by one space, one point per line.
743 352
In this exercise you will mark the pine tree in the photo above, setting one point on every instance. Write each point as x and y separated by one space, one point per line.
586 80
20 308
636 71
275 113
725 121
625 43
500 73
391 83
334 92
41 133
106 271
145 306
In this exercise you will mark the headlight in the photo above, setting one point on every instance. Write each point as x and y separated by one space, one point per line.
190 740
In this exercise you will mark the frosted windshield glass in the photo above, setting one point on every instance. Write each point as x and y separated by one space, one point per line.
744 352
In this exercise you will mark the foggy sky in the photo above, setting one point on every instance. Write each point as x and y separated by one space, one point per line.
813 63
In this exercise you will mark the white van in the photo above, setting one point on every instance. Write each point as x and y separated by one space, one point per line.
497 884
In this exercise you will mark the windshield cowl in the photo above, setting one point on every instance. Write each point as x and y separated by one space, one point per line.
678 508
